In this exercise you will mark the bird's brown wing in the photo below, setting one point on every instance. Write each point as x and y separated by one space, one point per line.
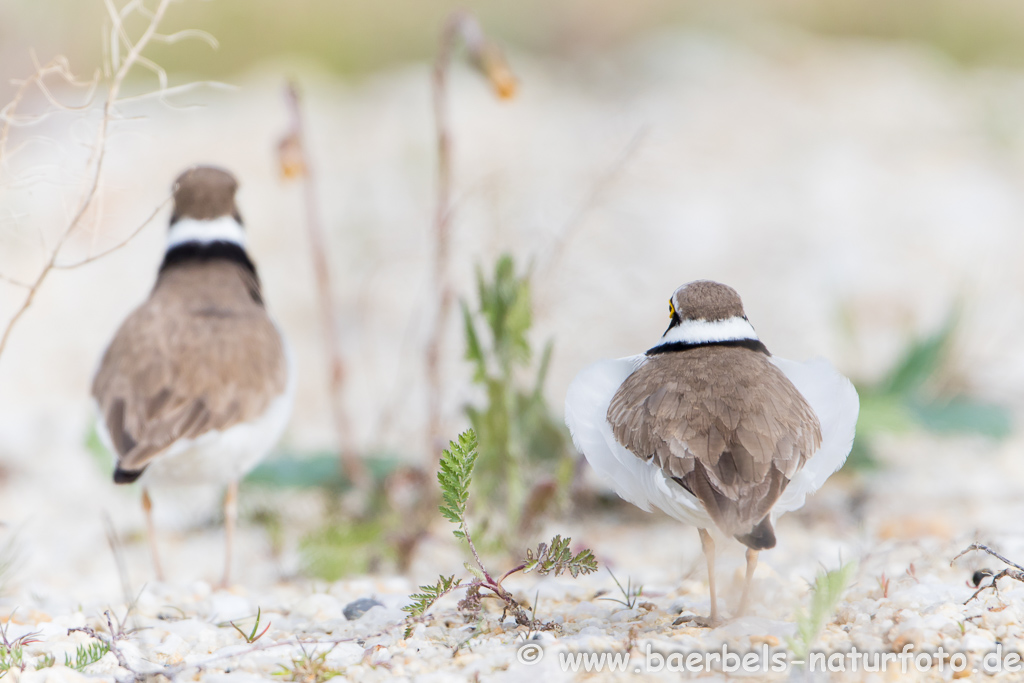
200 354
723 422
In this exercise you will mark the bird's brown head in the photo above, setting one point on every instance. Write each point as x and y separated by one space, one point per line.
205 193
705 312
705 300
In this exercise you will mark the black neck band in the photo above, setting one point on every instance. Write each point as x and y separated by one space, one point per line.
200 252
752 344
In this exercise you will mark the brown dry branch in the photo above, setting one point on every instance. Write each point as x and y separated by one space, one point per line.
294 162
110 250
174 671
115 635
1012 571
117 70
486 57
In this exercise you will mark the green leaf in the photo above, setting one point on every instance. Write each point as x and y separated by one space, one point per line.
86 655
556 557
337 550
965 416
921 361
455 475
423 601
474 351
828 590
542 370
883 413
316 470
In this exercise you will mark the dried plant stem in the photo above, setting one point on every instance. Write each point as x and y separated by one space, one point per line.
486 58
593 198
99 148
442 235
122 571
1013 571
13 282
351 463
116 635
119 245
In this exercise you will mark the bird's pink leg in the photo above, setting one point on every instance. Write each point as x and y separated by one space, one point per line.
147 508
708 545
230 518
751 566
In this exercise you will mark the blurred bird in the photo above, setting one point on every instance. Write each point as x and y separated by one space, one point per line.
196 386
711 428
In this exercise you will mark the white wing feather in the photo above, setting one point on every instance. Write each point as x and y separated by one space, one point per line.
830 394
837 405
635 480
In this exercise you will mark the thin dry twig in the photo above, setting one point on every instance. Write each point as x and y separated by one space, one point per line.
1013 571
14 282
122 570
112 640
485 56
294 162
57 67
119 245
591 201
95 165
173 671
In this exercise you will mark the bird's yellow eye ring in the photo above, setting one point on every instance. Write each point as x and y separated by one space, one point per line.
671 309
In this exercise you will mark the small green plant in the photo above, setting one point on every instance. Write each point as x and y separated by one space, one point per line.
557 558
912 396
343 548
45 662
349 539
431 594
828 590
86 655
255 634
12 652
455 475
309 667
520 440
629 594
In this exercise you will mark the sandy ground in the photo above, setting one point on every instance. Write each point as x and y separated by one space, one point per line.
852 193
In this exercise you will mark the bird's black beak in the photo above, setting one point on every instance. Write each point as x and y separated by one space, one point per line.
672 323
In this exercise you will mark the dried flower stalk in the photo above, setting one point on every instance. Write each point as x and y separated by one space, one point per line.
486 57
294 163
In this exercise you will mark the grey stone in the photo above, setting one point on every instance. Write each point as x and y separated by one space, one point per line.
358 608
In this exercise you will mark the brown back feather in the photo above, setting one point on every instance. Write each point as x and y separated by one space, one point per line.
734 444
199 355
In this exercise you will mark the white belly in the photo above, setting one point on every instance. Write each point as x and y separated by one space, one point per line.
221 456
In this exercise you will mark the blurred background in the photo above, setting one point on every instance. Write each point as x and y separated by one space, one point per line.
853 168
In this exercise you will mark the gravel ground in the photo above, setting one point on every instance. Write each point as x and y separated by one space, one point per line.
824 181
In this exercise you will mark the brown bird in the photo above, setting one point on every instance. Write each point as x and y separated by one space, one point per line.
196 386
711 428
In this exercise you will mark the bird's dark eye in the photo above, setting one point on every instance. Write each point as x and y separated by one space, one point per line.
671 309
